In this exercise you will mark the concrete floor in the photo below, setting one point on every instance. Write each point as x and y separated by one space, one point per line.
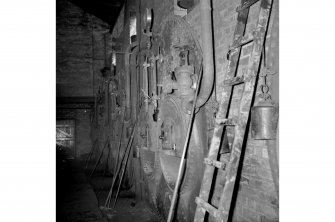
76 200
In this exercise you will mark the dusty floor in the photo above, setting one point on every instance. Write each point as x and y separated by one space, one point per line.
125 211
126 208
76 200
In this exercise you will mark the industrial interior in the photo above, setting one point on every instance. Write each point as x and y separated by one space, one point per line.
167 110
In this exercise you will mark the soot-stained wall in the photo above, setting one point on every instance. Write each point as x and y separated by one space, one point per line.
82 119
80 50
80 55
257 197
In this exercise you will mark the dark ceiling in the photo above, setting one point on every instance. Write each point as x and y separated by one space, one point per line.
106 10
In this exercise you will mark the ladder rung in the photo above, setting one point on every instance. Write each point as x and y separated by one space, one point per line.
235 81
208 207
230 122
246 4
242 41
225 122
215 163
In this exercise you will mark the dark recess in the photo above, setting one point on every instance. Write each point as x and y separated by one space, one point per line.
106 10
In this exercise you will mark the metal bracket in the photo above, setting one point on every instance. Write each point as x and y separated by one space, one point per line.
230 122
246 4
225 122
215 163
235 81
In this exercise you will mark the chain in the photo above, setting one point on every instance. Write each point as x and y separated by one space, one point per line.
265 95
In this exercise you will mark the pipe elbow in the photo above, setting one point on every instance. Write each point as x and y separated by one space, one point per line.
207 81
208 56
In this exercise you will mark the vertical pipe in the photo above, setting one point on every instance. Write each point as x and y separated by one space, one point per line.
128 80
154 77
92 51
145 84
106 102
207 50
134 81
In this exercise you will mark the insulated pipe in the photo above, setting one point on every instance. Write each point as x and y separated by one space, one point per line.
207 55
127 73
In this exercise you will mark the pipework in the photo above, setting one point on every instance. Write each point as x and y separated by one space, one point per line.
128 51
208 60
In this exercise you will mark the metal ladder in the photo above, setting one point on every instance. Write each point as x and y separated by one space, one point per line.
249 79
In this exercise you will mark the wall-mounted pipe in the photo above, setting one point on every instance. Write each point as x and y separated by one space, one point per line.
128 51
132 49
207 54
133 82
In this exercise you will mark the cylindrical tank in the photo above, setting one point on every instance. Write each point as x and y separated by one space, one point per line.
264 120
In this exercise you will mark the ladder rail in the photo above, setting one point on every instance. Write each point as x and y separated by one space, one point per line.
244 110
221 114
250 81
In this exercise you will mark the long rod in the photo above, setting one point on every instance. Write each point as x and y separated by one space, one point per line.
117 173
107 160
107 203
116 169
182 163
90 154
95 109
97 163
120 141
124 168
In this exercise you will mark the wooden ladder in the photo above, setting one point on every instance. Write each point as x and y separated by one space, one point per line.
249 79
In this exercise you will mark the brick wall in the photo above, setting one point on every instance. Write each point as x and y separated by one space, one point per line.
80 55
256 199
79 50
83 142
83 130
